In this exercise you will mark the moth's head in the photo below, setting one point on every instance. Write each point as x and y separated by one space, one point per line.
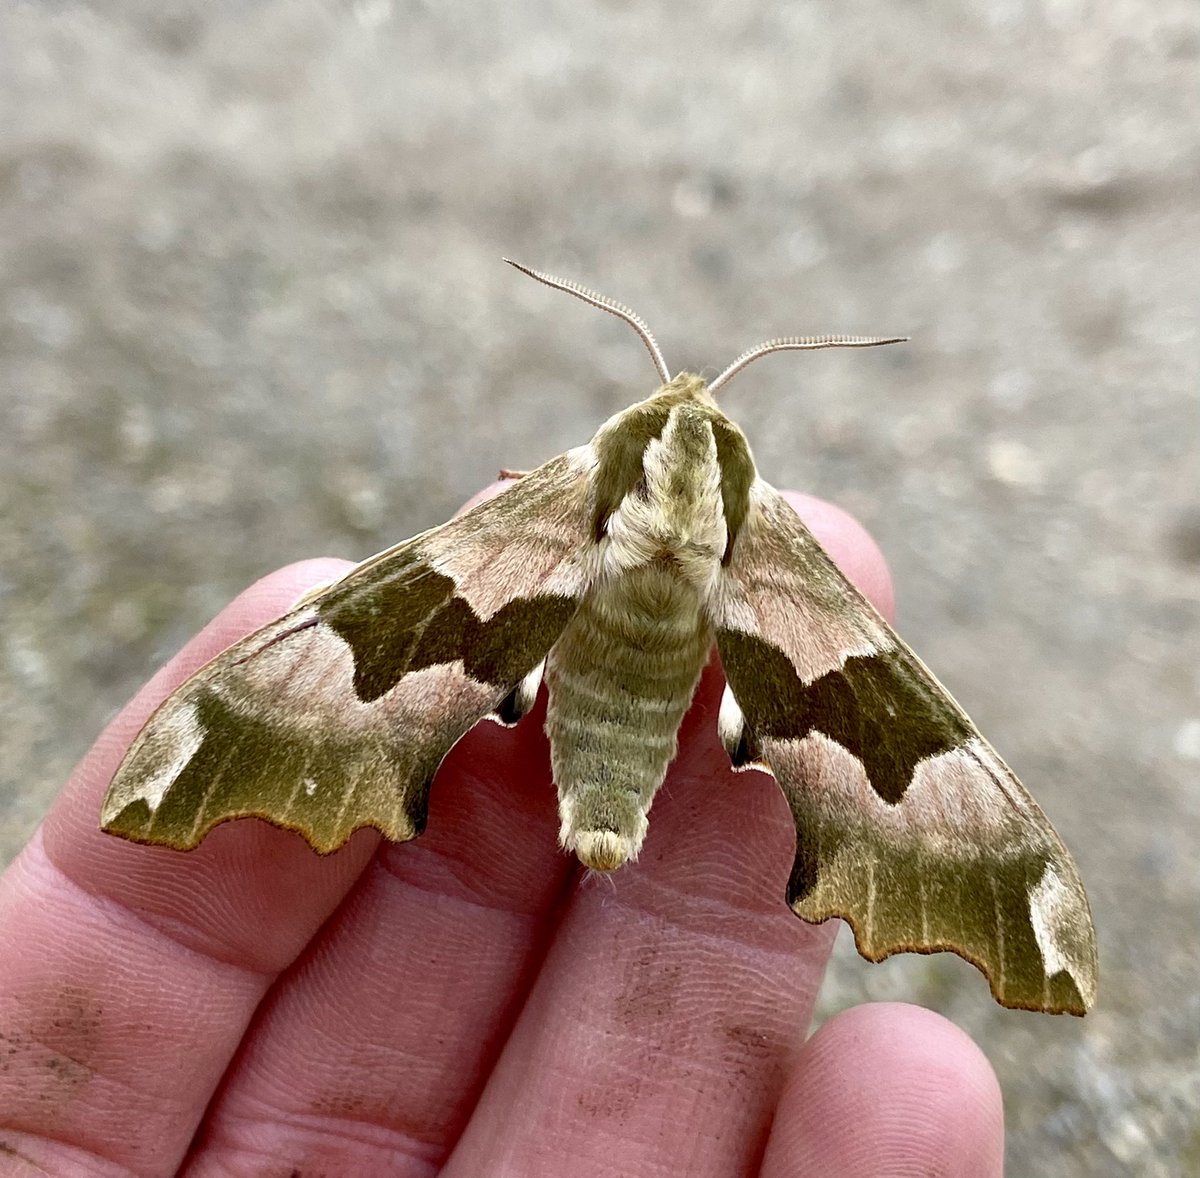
679 427
687 386
678 465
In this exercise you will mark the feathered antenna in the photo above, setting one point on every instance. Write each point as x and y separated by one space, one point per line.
808 343
609 305
790 344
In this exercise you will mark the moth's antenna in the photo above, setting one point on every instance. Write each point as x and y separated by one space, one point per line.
609 305
808 343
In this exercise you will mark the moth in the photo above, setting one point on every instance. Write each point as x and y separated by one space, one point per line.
608 574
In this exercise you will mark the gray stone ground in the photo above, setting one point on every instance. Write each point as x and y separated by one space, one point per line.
251 310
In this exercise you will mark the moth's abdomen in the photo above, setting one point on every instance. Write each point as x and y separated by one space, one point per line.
621 677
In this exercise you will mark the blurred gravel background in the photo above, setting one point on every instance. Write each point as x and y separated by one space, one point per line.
252 309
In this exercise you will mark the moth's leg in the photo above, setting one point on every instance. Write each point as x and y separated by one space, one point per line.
505 473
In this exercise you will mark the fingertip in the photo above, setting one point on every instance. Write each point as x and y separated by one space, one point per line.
301 575
272 595
73 818
486 493
888 1088
266 599
850 546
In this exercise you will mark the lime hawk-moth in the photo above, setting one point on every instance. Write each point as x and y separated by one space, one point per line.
608 573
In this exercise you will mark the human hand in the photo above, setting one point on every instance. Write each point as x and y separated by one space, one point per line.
468 1004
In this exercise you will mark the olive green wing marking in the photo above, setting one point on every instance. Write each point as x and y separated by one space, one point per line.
337 715
908 824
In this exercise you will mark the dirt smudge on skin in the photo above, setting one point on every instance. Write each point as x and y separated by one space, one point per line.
339 1105
24 1167
48 1047
751 1055
642 1013
649 993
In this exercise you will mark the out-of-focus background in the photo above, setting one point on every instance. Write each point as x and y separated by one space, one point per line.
252 309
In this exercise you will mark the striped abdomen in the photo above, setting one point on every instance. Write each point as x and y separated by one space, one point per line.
621 677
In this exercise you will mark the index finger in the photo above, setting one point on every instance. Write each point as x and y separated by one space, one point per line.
131 972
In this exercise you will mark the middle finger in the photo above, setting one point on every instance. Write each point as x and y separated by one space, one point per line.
369 1056
674 997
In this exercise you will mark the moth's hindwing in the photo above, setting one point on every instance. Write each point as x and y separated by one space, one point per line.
908 824
338 715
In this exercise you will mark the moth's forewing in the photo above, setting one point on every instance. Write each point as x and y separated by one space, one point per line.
338 715
908 824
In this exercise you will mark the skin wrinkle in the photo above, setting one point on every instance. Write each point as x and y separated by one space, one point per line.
243 1131
354 1071
766 922
255 1163
19 1142
457 860
172 930
699 921
408 876
115 914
